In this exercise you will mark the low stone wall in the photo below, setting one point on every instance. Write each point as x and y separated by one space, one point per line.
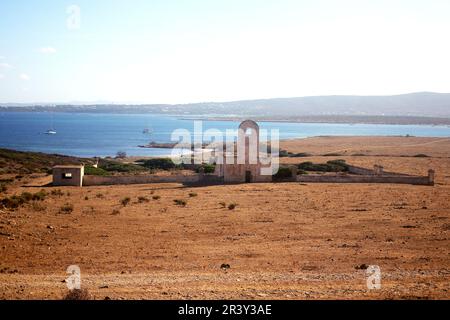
364 179
114 180
368 172
359 170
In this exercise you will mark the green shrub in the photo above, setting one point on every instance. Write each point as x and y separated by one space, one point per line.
330 166
283 154
92 171
232 206
159 164
207 168
114 166
338 165
26 196
283 173
40 196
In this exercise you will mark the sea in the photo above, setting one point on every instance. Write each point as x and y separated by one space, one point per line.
102 135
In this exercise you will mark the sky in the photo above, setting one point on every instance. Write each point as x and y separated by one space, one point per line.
175 51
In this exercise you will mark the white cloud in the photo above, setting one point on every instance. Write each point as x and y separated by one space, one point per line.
5 66
24 77
47 50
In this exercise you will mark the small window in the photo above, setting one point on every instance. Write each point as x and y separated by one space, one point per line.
248 132
67 175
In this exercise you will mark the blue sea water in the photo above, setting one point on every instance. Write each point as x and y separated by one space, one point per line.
88 134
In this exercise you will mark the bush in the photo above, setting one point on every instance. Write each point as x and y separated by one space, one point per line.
192 195
125 201
114 166
232 206
26 196
179 202
222 204
40 196
66 209
338 165
92 171
142 199
17 201
283 173
284 153
13 202
115 212
421 155
57 192
156 197
207 168
330 166
159 164
78 294
121 155
3 188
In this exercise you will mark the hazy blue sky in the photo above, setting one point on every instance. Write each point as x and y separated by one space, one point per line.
206 50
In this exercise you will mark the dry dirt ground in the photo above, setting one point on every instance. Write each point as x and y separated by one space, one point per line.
282 241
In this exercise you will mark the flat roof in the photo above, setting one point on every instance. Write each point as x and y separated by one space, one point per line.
75 166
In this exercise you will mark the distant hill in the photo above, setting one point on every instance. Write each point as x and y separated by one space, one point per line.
422 104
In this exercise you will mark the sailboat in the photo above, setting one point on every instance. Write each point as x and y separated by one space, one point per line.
52 130
148 131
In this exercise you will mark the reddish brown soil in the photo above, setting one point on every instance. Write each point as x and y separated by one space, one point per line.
283 241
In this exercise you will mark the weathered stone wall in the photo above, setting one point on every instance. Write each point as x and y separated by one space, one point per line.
114 180
365 171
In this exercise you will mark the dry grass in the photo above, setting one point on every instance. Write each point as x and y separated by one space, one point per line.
284 240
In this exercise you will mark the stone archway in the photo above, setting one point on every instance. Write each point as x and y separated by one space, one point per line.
248 143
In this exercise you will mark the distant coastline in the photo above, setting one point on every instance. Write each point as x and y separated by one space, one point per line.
331 119
338 119
419 108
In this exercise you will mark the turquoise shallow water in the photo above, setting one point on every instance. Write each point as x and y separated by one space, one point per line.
88 135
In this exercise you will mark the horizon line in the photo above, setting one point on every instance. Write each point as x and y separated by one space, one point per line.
104 102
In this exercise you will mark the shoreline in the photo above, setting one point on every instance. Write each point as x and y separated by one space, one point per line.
427 140
349 120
